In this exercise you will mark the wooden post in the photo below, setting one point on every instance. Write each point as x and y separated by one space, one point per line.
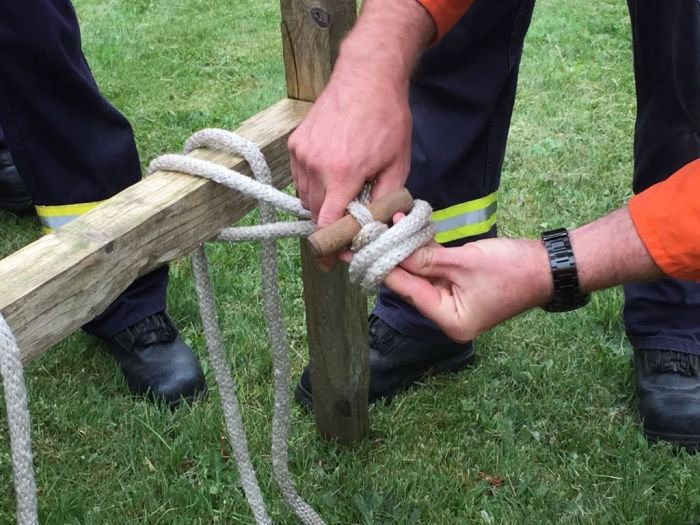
336 311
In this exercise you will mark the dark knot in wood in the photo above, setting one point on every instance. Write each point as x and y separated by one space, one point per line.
321 17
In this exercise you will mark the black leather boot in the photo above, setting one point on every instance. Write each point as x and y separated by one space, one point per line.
396 362
668 390
157 362
13 194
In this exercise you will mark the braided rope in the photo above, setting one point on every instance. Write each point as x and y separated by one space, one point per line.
378 249
19 425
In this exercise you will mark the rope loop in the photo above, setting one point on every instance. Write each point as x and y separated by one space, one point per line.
377 249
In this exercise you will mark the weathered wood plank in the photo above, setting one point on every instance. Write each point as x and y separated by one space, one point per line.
58 283
336 311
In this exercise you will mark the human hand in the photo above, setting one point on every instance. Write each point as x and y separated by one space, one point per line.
358 130
470 289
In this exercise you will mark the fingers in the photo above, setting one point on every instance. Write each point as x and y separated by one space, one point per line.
300 180
345 256
433 261
317 194
328 262
300 177
392 178
435 300
324 187
398 217
332 206
416 290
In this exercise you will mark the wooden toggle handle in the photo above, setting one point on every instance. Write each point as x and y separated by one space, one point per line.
334 237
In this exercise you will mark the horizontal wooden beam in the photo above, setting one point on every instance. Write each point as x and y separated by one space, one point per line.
58 283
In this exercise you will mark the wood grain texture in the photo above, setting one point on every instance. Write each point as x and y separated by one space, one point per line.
58 283
311 34
337 336
336 311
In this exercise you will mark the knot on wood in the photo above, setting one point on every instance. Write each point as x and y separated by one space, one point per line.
321 17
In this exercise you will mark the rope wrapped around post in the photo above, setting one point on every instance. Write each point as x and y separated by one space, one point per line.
377 249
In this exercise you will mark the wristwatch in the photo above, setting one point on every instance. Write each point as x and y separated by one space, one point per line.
567 294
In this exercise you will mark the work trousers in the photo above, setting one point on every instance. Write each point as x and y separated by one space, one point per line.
461 100
71 147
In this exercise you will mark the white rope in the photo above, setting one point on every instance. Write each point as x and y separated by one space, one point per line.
377 248
19 425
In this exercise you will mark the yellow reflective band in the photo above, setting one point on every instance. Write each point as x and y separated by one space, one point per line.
53 217
466 219
469 230
465 207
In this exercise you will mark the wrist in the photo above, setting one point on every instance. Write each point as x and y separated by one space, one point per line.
538 274
610 252
565 273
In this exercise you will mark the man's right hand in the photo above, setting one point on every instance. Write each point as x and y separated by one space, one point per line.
359 130
360 127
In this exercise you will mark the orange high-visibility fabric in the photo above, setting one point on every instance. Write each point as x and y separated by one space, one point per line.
445 13
667 219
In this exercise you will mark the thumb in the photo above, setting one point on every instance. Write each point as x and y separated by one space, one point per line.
429 261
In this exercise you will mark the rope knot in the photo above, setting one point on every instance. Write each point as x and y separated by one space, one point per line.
378 248
371 229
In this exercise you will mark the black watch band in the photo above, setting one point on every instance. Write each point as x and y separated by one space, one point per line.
567 294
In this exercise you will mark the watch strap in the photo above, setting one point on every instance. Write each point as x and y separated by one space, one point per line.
567 294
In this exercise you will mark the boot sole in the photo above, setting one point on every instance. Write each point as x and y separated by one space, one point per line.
691 443
449 366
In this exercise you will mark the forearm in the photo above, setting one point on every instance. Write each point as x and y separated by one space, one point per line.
610 252
387 39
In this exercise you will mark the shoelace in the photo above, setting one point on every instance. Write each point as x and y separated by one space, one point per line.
153 331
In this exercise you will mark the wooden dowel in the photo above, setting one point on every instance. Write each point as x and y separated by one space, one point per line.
334 237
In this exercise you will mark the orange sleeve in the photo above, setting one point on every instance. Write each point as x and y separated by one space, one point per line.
667 219
445 13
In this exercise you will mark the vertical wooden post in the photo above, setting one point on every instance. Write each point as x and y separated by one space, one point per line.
336 311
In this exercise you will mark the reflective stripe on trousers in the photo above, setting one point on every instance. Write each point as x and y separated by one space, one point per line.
54 217
467 219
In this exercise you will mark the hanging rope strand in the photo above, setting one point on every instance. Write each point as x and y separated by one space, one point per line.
227 390
377 248
19 424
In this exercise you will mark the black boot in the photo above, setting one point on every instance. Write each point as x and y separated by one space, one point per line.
157 362
13 194
396 362
668 390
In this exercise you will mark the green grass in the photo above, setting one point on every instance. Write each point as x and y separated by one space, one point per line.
549 408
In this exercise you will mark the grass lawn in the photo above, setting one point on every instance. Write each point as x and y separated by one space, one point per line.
542 430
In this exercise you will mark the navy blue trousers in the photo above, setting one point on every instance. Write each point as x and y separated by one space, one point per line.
462 98
69 144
